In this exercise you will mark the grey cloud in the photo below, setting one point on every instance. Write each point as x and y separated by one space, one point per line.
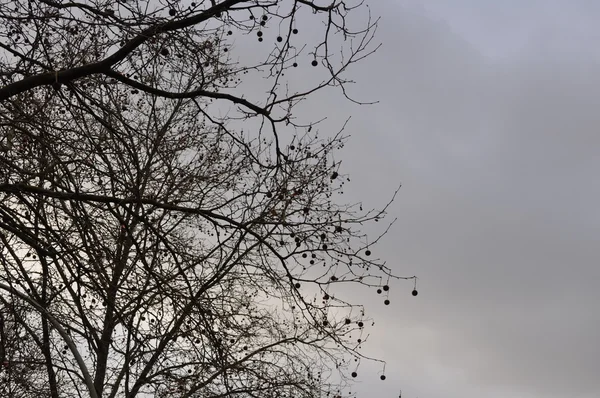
498 213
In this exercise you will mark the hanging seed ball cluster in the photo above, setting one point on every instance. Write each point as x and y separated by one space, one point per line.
259 34
334 175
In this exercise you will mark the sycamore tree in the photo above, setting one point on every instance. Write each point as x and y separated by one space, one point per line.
170 224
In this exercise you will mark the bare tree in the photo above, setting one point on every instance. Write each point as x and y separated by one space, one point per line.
165 230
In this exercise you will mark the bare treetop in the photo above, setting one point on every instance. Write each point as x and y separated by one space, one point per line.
166 231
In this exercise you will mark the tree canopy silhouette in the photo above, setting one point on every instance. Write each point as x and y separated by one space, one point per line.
169 224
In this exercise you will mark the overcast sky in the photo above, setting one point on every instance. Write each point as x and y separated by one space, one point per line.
489 116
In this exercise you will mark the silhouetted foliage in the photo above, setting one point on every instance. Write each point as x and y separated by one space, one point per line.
165 230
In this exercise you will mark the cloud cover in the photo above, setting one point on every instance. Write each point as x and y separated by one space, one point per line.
489 117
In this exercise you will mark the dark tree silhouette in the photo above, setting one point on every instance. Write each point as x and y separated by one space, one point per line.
168 225
22 360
